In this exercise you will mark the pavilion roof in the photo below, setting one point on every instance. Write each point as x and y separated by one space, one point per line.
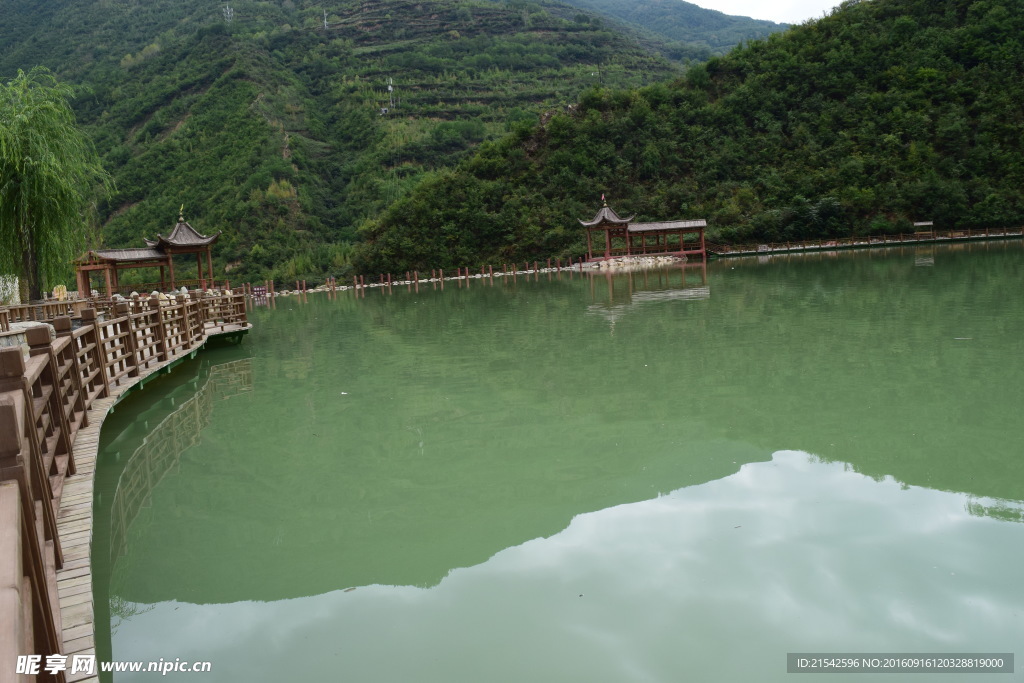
606 215
666 225
182 238
183 235
122 255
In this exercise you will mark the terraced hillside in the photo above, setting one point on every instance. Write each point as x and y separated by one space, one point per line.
881 114
271 127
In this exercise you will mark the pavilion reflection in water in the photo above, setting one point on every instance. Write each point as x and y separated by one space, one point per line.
159 453
614 293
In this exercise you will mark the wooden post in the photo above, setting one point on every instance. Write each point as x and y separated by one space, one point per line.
35 599
106 278
16 606
62 327
186 325
161 332
98 353
209 265
130 341
38 339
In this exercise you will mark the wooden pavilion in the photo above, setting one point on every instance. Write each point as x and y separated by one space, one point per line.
622 237
158 253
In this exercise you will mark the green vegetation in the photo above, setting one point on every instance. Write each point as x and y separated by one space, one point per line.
273 129
270 127
49 175
882 113
686 25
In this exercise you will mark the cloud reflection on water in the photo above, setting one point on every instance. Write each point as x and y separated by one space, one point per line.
715 582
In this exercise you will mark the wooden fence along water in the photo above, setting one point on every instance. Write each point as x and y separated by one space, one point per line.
826 244
265 293
52 405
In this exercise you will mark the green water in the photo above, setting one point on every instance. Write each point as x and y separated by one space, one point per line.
662 476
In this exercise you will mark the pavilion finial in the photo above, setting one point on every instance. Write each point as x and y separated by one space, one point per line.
181 214
603 202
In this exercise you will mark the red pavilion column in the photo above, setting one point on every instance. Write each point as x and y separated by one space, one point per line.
209 266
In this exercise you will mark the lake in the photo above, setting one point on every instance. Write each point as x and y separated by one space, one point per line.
679 474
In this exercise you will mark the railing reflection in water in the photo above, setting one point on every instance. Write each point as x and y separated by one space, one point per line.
160 452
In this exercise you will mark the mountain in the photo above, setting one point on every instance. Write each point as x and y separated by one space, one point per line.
271 126
714 32
882 113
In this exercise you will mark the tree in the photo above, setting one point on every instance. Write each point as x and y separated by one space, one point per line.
49 176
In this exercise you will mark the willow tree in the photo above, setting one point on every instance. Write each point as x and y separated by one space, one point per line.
49 176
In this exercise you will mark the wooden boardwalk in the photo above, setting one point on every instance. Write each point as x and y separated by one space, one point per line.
52 407
74 520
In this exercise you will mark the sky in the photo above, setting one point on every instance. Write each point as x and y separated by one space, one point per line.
784 11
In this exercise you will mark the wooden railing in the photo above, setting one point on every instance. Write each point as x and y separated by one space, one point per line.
147 287
867 241
44 401
31 436
47 311
15 583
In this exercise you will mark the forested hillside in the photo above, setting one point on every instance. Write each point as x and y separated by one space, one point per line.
714 32
272 127
882 113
